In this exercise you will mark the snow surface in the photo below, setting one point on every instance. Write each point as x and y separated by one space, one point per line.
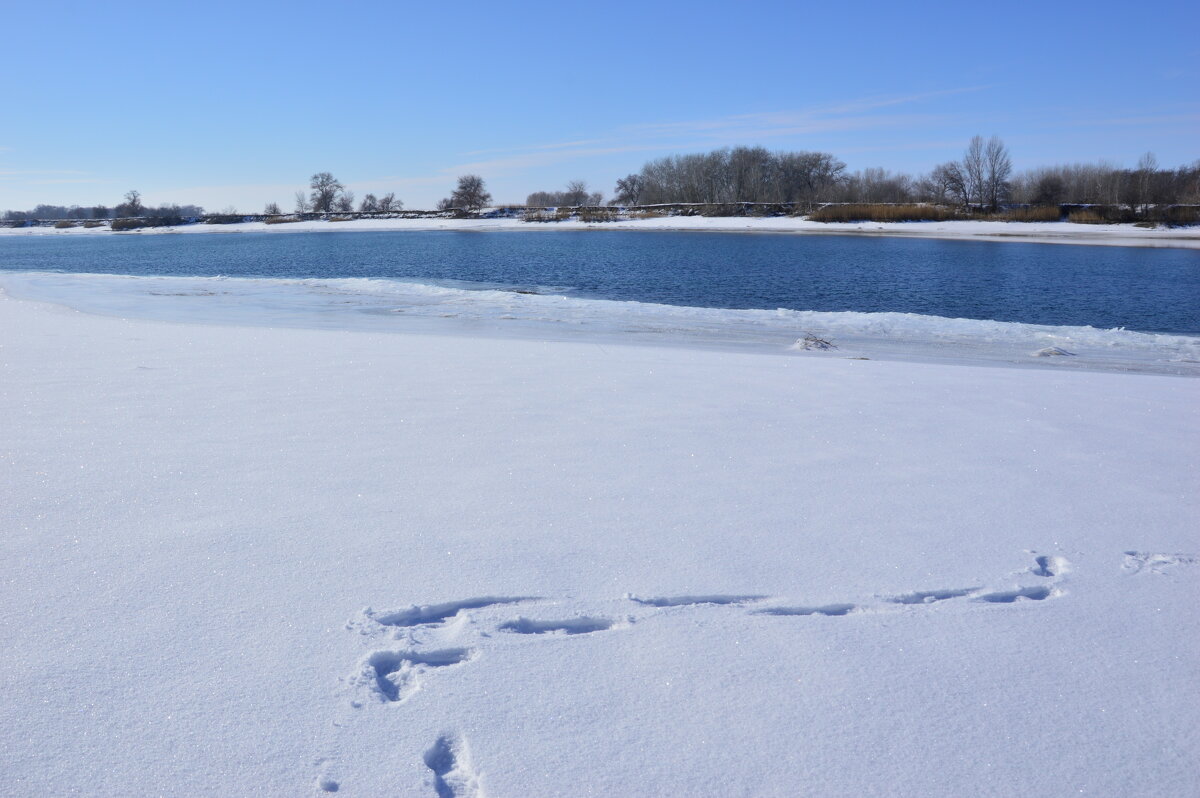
266 561
1046 232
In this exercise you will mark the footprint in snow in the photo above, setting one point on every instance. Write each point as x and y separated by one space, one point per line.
931 596
1039 593
396 675
685 601
571 626
435 614
833 610
453 774
1138 561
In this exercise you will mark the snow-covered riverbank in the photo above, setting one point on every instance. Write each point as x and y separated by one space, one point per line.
285 561
1047 232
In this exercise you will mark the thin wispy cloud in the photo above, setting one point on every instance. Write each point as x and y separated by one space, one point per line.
28 172
846 115
849 115
1138 120
66 181
554 146
500 167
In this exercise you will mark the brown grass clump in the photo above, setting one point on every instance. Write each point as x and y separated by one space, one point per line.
280 220
883 213
1086 216
597 214
64 224
1182 215
127 224
341 218
90 225
1043 213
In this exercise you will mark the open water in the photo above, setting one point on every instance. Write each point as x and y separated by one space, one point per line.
1143 289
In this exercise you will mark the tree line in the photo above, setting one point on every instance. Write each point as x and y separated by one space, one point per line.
131 206
983 179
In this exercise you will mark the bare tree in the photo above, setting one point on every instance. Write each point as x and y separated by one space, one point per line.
388 202
974 171
1049 189
576 193
132 206
470 194
345 202
1147 168
946 184
302 205
629 190
997 170
369 204
272 209
325 189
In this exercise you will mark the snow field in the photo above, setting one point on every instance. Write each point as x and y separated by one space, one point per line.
586 570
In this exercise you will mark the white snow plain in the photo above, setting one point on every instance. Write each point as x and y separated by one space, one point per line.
1044 232
257 560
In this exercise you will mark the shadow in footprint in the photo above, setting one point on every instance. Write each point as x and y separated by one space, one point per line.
437 613
571 626
829 609
1050 565
930 596
394 671
1010 596
453 776
683 601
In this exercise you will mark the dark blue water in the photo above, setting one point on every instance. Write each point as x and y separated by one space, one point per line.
1144 289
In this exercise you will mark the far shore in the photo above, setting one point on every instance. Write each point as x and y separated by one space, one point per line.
1125 235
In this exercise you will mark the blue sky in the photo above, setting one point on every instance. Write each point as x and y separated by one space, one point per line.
237 104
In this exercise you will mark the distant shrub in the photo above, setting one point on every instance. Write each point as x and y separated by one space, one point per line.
655 214
64 224
341 218
883 213
127 224
224 218
280 220
90 225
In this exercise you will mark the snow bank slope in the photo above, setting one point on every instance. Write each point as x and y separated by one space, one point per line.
282 562
406 306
